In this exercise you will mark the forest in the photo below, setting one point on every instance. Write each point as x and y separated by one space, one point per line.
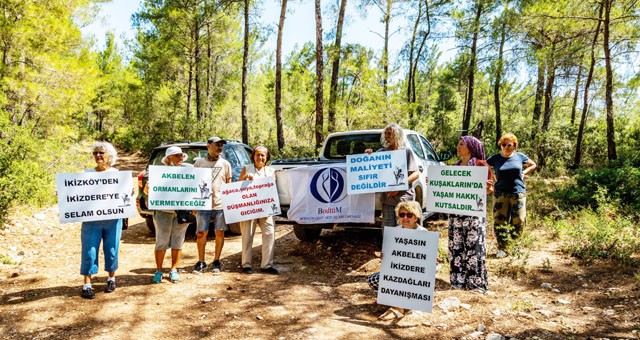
561 75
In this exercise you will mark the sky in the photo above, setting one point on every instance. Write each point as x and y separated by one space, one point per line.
299 26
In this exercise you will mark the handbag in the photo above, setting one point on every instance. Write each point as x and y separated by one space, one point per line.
185 216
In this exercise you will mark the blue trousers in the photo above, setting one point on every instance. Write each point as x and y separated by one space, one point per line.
91 234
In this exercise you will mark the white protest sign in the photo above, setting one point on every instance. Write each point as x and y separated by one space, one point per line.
457 190
377 172
248 200
179 188
408 269
95 196
319 195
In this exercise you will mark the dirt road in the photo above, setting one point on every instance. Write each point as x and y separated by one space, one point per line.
321 292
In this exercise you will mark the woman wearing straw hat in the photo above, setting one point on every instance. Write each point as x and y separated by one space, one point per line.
169 233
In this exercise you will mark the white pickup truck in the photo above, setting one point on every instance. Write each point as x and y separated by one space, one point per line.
335 149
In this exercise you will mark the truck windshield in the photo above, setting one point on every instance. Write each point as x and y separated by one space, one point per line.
338 147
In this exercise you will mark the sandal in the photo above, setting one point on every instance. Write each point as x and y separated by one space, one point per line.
391 314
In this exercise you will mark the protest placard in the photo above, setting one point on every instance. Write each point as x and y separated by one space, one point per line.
377 172
95 196
408 269
459 190
248 200
320 196
179 188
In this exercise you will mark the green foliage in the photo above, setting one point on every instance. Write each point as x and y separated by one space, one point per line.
6 259
618 184
516 264
28 166
21 175
601 234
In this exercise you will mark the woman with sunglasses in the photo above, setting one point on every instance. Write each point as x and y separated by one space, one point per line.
259 169
509 204
409 214
467 245
94 232
170 233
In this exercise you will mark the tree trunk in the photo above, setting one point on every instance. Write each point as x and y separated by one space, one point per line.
611 138
335 68
196 52
207 97
189 93
412 43
319 68
245 62
279 132
574 105
414 56
425 35
585 98
498 80
548 91
385 51
466 119
537 106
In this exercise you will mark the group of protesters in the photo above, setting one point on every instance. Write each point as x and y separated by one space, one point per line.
466 234
171 226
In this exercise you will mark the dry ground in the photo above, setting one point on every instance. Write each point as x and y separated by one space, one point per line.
321 292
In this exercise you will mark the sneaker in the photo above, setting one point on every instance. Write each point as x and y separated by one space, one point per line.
200 267
217 267
269 270
157 277
173 275
247 270
501 254
111 286
88 293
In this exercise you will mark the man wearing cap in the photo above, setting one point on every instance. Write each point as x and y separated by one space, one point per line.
220 173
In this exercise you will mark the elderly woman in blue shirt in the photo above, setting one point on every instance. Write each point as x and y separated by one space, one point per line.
93 233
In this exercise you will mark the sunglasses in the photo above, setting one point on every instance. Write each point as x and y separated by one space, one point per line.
407 215
95 153
504 145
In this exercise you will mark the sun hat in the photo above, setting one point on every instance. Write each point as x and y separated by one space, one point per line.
215 140
173 150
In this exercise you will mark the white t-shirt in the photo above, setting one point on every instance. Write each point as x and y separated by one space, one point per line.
220 174
94 170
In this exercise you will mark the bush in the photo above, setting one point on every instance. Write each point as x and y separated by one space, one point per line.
600 234
622 184
28 165
22 178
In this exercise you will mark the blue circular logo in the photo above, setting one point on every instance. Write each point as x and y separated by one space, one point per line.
327 186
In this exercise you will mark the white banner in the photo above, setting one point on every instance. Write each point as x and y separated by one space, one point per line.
179 188
377 172
408 269
95 196
248 200
460 190
319 195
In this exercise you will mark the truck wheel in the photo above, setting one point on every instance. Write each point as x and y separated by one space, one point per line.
150 225
235 228
307 234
